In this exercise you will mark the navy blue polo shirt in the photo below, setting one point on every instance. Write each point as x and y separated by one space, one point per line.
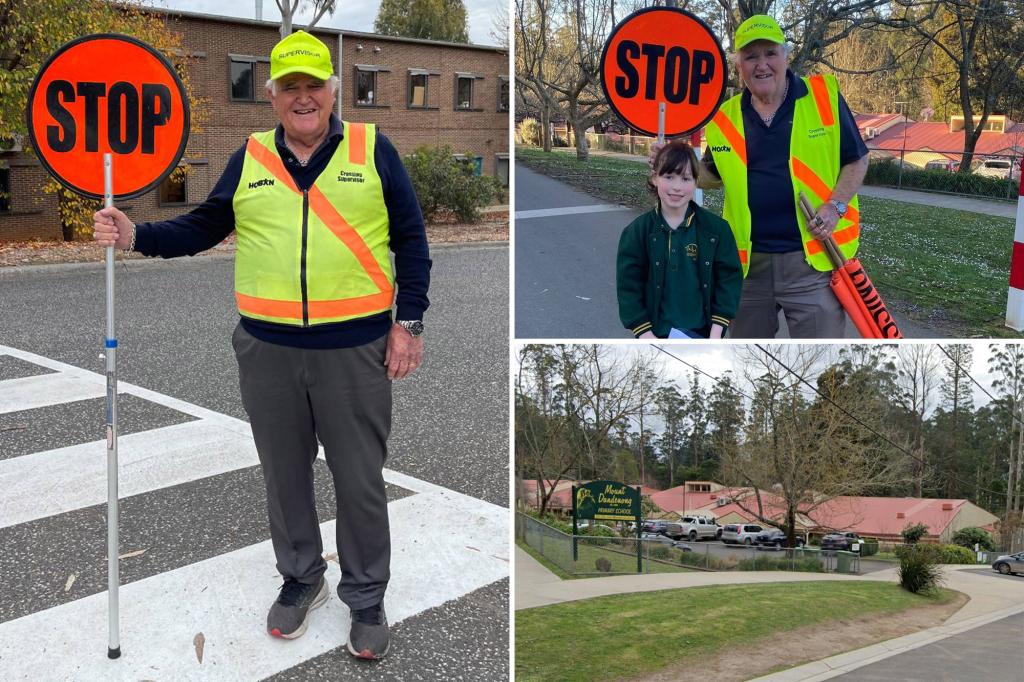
213 220
773 226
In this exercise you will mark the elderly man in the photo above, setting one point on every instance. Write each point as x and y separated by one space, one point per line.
317 204
781 136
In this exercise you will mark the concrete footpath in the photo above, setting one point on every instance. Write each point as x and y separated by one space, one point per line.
993 207
994 599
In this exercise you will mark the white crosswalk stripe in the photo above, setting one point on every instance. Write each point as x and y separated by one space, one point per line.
444 545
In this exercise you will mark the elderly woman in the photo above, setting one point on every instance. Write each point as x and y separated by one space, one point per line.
781 136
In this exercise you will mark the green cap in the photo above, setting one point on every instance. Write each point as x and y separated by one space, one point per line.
758 27
301 53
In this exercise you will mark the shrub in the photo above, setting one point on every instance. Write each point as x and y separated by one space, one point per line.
781 564
968 537
598 532
918 571
603 565
939 554
705 561
868 547
529 132
911 534
445 185
557 141
661 553
887 172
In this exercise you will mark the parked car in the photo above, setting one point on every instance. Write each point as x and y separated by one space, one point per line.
682 547
740 533
673 530
997 168
841 541
773 537
653 526
1010 563
701 527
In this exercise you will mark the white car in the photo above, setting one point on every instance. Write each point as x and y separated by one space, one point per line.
998 168
740 533
700 527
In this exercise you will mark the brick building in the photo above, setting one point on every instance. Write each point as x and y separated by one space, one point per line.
419 92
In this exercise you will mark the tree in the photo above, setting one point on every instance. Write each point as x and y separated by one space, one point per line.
289 8
917 380
957 399
424 19
1007 364
671 410
31 31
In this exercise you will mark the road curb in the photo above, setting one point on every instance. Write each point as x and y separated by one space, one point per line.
840 664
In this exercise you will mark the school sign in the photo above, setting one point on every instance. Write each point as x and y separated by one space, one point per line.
606 501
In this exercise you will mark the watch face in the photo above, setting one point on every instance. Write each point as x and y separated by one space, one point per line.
415 327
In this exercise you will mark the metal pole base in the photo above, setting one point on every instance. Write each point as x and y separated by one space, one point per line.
114 653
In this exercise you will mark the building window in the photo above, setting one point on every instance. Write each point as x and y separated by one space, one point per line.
242 77
463 92
501 169
503 93
418 89
476 163
366 88
174 190
5 190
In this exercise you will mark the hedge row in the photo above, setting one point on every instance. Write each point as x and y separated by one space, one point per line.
939 554
887 172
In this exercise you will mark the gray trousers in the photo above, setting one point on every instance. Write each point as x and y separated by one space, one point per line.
784 281
295 396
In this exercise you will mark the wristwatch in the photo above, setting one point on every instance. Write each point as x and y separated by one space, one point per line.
839 206
414 327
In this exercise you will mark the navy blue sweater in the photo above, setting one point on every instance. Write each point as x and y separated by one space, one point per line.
213 220
773 227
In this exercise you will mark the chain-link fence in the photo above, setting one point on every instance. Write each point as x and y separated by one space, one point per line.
597 555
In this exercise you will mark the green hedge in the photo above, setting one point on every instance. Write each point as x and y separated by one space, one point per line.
868 547
781 564
887 172
939 554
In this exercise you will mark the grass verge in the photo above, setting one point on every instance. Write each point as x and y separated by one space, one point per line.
927 262
610 638
621 560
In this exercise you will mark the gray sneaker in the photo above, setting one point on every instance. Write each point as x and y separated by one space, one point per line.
289 615
369 637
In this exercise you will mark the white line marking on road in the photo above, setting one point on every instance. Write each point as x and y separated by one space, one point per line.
43 390
56 481
569 210
434 560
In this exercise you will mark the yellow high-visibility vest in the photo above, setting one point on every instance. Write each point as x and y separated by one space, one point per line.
316 256
813 167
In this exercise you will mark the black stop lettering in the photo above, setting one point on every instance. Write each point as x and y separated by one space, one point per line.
123 103
628 84
156 111
61 137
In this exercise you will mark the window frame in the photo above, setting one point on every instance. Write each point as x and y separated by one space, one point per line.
472 78
159 192
360 69
252 62
503 82
8 190
498 158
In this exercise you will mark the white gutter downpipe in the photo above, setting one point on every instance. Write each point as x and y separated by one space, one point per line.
259 10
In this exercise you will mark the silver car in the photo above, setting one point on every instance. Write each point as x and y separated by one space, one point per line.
740 533
1009 563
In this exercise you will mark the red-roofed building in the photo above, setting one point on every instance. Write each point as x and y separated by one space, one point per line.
936 142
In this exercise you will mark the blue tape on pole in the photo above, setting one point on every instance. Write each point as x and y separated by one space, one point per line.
110 343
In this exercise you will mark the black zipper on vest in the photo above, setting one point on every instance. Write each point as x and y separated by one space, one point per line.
302 267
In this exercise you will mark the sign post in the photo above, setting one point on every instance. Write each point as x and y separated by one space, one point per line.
606 501
96 98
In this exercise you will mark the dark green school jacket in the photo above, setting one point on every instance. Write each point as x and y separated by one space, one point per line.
641 263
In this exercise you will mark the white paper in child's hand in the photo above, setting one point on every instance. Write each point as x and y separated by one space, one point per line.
676 334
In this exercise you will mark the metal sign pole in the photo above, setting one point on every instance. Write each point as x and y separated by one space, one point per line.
110 350
661 123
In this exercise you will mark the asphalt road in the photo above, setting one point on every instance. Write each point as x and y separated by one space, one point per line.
991 652
174 326
565 248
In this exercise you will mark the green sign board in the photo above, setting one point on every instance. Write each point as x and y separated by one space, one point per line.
606 501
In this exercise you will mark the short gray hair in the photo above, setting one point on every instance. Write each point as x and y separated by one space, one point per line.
332 82
787 49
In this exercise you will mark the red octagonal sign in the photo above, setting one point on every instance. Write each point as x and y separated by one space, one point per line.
114 94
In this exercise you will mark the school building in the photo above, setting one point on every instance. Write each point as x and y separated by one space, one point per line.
418 92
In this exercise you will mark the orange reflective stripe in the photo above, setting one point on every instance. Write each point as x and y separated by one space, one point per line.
347 234
841 236
357 143
743 256
360 305
732 135
271 162
821 98
805 175
269 307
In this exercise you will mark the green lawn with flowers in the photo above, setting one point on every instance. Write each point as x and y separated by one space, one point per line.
947 270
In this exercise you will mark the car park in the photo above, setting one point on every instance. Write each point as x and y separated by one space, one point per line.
673 530
701 528
740 533
847 542
773 537
1009 563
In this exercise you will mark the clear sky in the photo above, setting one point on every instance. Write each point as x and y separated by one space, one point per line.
354 15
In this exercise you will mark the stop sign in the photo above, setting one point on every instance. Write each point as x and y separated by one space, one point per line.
663 55
108 93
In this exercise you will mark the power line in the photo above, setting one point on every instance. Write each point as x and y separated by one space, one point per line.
1013 416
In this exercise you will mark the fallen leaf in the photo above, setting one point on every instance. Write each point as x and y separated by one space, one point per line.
69 583
129 555
199 641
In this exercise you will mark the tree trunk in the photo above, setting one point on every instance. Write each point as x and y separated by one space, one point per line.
1011 470
545 127
582 150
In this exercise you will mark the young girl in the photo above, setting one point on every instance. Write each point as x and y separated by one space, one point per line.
678 272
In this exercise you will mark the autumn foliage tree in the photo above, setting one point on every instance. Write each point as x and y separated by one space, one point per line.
30 31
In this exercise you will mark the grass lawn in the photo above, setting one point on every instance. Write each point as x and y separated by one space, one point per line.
610 638
946 269
586 566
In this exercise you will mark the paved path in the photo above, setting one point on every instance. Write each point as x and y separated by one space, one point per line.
565 249
1002 209
193 507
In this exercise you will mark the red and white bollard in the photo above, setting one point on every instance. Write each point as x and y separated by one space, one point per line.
1015 301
